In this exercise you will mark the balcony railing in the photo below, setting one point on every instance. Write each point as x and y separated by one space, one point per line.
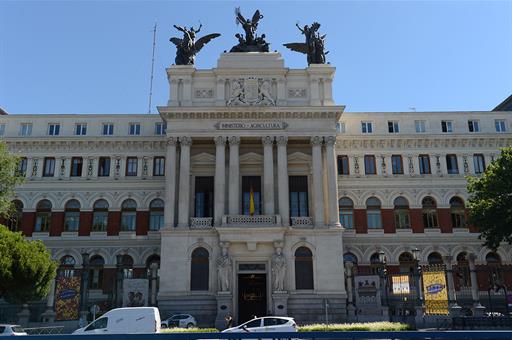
201 222
302 222
251 221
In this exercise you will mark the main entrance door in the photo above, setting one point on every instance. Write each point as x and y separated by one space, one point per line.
252 296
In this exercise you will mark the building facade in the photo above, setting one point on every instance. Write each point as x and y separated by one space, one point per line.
253 193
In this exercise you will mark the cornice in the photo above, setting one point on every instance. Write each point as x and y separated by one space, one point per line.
251 112
411 141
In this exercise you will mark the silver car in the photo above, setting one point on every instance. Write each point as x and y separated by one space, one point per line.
180 320
11 330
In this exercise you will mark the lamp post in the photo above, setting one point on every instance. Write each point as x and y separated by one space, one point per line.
119 281
417 277
84 286
383 273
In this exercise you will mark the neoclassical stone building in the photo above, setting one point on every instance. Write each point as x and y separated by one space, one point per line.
255 194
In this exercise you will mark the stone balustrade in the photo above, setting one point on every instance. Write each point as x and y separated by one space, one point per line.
302 222
251 221
201 222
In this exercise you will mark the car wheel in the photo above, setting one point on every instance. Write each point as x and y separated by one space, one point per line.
190 325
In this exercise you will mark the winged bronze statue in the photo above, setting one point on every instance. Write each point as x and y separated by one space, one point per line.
314 45
188 47
251 42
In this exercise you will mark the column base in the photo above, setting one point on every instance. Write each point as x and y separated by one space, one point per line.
224 308
280 303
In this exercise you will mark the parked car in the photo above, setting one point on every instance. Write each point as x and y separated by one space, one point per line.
11 330
265 324
180 320
127 320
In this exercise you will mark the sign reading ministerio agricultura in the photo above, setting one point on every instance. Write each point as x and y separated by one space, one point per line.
251 125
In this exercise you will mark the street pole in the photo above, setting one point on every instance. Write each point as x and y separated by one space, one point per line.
417 274
383 273
84 286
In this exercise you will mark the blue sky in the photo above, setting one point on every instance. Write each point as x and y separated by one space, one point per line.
95 56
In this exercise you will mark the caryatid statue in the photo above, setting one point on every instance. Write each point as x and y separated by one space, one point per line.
314 45
188 47
278 269
224 265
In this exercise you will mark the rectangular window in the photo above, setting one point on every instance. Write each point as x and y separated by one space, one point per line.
366 127
160 128
80 129
108 129
343 165
159 166
251 185
22 167
446 126
298 187
479 163
424 164
76 167
26 129
104 167
473 126
204 196
131 166
53 129
340 127
420 126
49 167
2 129
500 125
451 164
369 165
393 127
134 129
397 165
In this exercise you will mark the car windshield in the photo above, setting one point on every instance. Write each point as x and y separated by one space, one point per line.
17 329
252 324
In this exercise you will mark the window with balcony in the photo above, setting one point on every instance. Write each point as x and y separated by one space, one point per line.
43 216
156 214
100 215
429 212
72 215
204 196
373 214
458 212
251 195
128 215
346 206
401 212
298 187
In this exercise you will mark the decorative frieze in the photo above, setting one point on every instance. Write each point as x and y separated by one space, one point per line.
251 91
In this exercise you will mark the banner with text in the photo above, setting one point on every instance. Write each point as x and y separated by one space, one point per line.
67 298
400 284
435 292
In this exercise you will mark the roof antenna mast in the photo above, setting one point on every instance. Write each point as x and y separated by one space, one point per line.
152 68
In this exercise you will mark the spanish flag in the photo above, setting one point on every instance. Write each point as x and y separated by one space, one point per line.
251 202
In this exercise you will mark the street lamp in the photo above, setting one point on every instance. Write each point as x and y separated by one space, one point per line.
84 285
119 281
383 273
417 276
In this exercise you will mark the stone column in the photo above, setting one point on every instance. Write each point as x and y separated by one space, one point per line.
140 163
220 180
478 309
184 187
29 167
314 91
452 298
234 175
282 180
268 175
332 182
318 190
170 183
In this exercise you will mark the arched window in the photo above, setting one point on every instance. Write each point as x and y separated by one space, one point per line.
72 215
463 273
199 269
406 263
401 211
14 221
494 266
96 264
429 211
43 215
128 215
346 212
156 214
303 269
373 213
67 266
349 257
458 212
435 259
375 263
125 263
100 215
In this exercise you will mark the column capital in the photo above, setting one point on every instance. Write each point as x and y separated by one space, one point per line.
267 140
316 140
171 141
234 140
282 140
186 140
330 140
220 140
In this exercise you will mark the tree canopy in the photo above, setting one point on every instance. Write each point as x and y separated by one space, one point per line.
490 201
8 179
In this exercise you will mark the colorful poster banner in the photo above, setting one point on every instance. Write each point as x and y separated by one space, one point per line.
135 292
435 292
400 284
67 298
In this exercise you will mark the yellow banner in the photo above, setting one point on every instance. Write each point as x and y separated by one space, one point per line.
435 292
67 298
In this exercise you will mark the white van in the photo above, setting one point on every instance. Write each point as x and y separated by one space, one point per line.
127 320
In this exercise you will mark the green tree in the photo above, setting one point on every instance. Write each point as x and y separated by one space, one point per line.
490 201
26 267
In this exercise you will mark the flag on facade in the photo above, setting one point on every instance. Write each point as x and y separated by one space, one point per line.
251 202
